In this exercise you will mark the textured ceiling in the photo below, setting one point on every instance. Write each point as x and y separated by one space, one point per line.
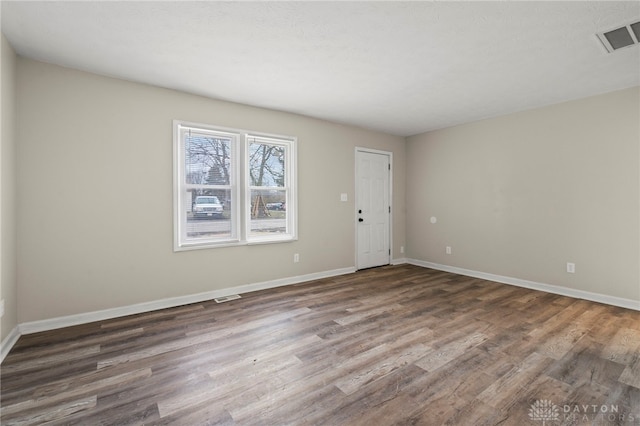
399 67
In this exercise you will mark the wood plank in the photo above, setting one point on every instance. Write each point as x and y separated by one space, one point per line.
392 345
507 390
561 342
441 356
45 361
623 347
392 361
55 392
631 374
584 365
58 412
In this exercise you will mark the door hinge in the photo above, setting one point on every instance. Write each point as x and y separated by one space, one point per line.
389 166
389 209
389 252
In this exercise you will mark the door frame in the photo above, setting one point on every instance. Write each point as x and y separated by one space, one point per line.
389 154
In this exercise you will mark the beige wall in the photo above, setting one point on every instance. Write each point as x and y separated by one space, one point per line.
95 194
8 281
517 196
522 195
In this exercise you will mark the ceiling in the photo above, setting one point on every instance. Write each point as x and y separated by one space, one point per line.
398 67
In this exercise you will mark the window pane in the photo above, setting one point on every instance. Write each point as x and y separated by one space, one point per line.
207 159
268 213
266 164
208 214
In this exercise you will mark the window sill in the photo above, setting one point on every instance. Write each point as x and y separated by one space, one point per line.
252 242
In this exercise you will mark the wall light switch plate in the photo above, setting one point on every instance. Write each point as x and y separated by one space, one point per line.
343 197
1 308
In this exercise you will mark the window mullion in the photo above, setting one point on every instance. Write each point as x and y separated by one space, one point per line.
240 190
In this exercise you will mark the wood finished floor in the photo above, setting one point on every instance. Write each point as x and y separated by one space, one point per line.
392 345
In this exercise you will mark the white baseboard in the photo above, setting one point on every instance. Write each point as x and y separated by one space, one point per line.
84 318
8 342
549 288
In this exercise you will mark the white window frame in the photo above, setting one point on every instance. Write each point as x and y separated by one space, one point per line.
239 187
289 186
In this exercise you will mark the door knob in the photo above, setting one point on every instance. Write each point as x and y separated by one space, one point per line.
360 220
359 211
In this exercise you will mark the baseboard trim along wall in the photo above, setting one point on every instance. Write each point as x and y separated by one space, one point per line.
71 320
85 318
8 342
549 288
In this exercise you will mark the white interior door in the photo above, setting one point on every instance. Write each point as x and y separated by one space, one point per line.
373 209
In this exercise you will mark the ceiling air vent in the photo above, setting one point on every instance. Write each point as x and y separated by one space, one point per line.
620 38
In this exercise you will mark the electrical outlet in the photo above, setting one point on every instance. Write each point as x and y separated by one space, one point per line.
571 268
448 250
296 258
401 249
